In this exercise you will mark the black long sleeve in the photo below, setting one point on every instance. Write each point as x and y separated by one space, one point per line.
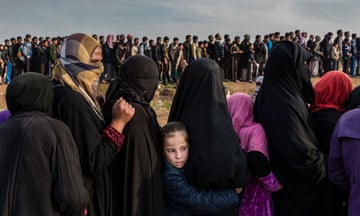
258 164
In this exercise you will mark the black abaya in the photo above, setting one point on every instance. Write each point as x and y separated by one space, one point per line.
281 107
216 159
136 181
40 171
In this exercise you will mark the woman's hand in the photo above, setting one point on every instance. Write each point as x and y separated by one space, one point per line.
122 113
239 190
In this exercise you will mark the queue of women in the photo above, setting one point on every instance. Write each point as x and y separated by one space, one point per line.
292 152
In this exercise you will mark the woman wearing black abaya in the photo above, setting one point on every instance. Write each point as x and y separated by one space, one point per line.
216 159
281 107
40 171
137 185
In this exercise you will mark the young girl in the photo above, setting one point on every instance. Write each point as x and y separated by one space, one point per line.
181 197
256 199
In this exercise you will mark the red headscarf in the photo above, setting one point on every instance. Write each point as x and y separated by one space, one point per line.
332 91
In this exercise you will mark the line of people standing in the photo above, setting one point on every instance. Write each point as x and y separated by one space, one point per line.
240 60
36 54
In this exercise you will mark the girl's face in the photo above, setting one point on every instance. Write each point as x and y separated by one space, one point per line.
176 149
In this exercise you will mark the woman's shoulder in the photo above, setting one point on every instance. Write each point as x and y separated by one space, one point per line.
345 125
65 96
63 92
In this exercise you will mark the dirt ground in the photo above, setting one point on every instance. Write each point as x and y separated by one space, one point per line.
164 95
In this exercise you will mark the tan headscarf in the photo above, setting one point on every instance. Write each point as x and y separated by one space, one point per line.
74 70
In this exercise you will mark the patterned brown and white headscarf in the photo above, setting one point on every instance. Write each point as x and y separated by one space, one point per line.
74 70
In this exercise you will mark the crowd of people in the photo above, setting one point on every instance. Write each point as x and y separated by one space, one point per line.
65 150
240 59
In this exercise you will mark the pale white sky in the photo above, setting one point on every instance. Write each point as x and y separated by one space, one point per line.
176 17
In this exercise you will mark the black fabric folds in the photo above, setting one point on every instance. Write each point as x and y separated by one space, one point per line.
354 99
40 172
216 159
281 107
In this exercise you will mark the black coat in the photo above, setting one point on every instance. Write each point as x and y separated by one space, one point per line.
184 199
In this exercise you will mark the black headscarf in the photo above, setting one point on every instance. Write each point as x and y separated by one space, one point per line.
137 84
30 92
216 159
281 107
354 99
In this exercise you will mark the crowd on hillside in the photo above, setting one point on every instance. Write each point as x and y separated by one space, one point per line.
241 59
64 150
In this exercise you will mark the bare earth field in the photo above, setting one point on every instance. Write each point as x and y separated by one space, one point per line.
164 95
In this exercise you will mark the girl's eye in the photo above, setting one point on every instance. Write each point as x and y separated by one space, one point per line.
170 150
184 148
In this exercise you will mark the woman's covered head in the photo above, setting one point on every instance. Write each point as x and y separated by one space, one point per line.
30 92
332 91
141 73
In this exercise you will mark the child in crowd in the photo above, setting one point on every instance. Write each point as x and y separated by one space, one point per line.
181 197
256 198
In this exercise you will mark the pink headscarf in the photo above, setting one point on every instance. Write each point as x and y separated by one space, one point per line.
252 135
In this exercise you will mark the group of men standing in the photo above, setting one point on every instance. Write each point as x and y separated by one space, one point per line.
239 60
31 54
341 54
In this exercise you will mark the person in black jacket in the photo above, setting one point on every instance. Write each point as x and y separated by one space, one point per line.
260 54
245 62
44 57
109 58
187 48
325 47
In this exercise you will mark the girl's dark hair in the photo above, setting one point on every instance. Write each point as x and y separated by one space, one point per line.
172 127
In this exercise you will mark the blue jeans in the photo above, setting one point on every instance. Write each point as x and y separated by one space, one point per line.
9 72
353 67
334 64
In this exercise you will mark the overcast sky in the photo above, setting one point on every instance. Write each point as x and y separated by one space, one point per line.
176 17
